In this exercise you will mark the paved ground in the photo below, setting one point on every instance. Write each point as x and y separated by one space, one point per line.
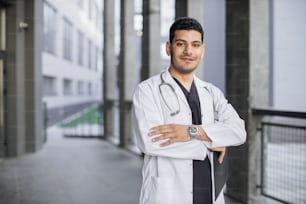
72 171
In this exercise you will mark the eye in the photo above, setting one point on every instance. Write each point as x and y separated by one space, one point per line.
179 44
197 45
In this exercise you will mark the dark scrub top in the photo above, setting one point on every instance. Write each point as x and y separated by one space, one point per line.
202 185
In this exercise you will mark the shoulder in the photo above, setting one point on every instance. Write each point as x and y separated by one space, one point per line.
152 81
148 85
207 85
213 90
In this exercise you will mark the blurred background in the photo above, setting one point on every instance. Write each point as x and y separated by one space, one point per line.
68 70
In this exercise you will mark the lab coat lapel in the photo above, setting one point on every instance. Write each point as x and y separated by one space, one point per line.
206 101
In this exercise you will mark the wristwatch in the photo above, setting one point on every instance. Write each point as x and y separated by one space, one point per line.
193 131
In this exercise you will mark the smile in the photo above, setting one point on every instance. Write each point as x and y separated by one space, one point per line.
187 59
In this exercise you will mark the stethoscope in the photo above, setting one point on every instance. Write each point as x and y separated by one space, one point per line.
173 111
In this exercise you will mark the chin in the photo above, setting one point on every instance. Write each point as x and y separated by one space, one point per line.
186 71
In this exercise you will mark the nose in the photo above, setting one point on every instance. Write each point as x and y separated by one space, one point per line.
188 50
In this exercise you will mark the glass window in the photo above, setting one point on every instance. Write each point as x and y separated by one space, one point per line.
96 58
89 51
49 85
80 87
67 87
93 56
96 14
89 88
67 39
100 21
80 48
90 11
80 3
49 25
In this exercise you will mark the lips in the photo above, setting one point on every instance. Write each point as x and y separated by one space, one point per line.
187 59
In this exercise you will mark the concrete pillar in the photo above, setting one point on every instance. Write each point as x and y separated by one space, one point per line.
127 70
181 8
35 132
24 113
2 67
151 39
194 9
14 81
247 65
110 89
260 32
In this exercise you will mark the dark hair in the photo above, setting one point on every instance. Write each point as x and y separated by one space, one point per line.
185 23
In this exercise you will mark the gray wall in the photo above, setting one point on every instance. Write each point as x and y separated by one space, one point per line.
214 39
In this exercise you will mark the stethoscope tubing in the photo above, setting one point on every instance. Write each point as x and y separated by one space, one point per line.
163 83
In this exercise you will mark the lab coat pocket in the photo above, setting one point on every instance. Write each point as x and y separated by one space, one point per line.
162 190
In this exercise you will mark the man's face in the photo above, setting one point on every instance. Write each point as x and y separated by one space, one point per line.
186 51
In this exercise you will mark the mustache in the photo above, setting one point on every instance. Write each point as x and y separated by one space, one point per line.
184 55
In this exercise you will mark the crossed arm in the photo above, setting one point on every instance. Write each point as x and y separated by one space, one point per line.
173 133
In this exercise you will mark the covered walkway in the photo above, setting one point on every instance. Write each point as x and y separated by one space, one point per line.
72 171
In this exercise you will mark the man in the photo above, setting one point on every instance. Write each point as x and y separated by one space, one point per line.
178 121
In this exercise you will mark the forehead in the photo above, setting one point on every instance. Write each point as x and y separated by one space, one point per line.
188 35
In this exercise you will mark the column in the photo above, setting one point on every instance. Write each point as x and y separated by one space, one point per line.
110 89
260 46
247 79
237 89
127 70
14 81
35 130
151 39
2 87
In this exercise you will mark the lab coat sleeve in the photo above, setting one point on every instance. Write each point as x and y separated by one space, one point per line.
228 128
146 114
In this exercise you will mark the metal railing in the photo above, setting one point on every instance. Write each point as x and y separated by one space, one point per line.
86 123
283 155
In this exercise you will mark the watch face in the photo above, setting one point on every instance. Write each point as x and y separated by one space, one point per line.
193 129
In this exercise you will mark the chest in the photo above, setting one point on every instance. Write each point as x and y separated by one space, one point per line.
177 102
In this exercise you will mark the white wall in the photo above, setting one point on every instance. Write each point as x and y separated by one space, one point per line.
289 55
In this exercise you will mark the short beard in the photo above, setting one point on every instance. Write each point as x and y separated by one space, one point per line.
178 68
181 69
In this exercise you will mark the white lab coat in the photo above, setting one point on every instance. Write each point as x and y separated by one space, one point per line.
167 171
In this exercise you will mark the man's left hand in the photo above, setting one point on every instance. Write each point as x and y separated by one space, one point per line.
172 132
222 151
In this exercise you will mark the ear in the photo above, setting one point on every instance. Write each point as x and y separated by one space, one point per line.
168 48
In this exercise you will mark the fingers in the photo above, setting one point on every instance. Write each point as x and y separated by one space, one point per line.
221 157
168 142
222 151
160 133
172 132
161 129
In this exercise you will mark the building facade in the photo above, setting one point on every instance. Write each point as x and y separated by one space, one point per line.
72 56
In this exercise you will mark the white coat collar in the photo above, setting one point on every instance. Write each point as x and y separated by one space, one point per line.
169 79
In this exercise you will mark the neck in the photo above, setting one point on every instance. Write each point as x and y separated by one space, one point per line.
184 78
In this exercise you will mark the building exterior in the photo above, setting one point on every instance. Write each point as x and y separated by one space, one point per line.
72 56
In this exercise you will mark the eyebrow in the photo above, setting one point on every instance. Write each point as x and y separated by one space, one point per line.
195 41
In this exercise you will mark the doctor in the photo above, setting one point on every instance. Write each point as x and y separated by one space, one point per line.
178 121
